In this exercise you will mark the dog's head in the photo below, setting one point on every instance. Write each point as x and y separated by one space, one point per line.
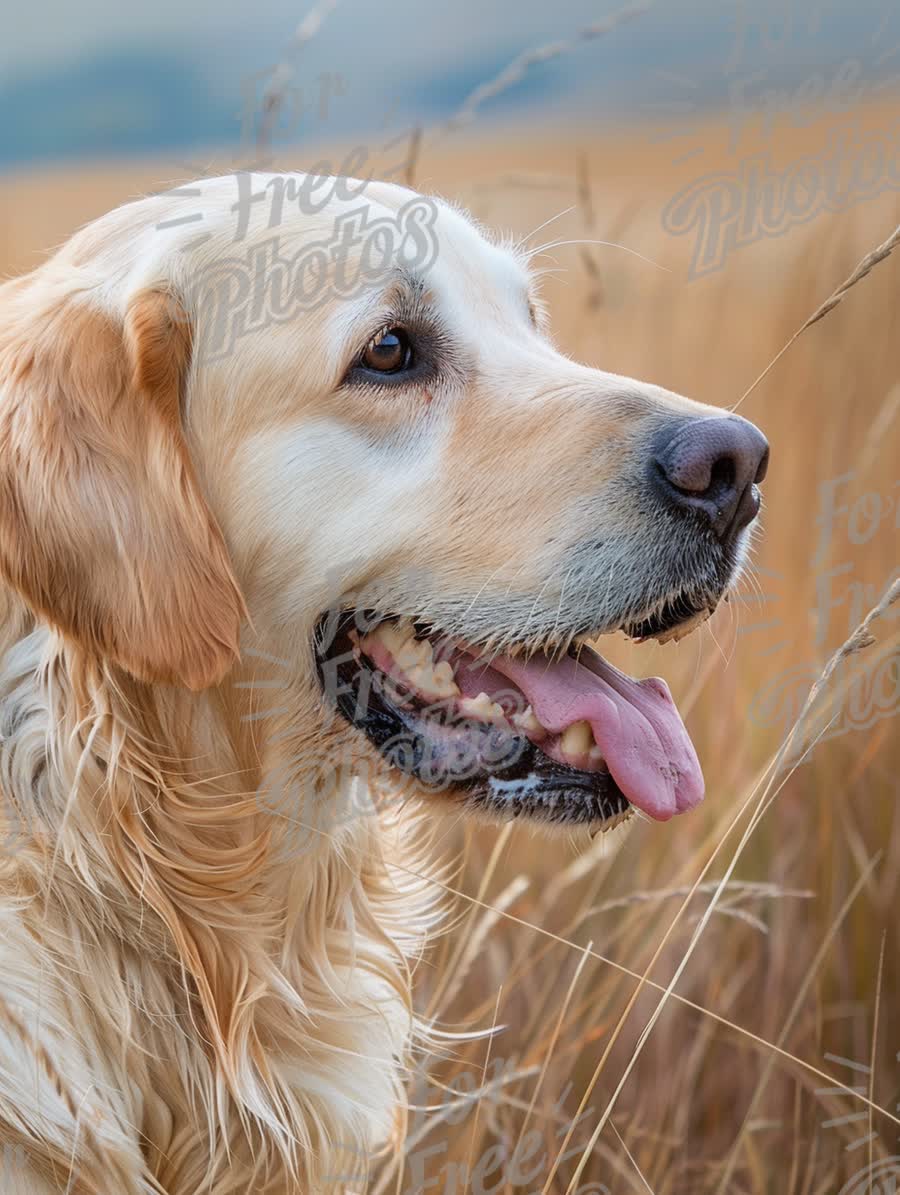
335 416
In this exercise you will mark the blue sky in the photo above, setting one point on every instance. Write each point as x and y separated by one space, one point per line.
102 78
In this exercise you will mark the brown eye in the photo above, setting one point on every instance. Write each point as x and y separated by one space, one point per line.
388 352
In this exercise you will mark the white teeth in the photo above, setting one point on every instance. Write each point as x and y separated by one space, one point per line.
481 707
414 654
394 635
527 722
578 739
578 743
443 673
416 660
400 640
427 681
596 759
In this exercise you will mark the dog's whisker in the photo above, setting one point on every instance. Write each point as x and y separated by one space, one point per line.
558 216
609 244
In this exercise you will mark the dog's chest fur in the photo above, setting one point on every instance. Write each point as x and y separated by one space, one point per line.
184 1006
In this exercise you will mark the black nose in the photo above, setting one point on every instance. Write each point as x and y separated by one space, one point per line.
712 467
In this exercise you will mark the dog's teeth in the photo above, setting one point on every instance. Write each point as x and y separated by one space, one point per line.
481 707
406 650
578 739
596 758
415 658
434 682
445 680
527 722
443 673
394 636
425 683
403 631
415 653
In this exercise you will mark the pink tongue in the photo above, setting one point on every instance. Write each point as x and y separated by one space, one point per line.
635 724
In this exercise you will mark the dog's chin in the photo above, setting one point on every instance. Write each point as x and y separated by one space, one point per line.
555 736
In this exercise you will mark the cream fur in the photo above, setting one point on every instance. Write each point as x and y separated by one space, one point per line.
200 994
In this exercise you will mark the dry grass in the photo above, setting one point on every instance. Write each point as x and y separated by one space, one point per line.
704 992
680 1014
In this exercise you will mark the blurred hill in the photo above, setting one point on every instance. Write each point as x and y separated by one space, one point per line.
101 80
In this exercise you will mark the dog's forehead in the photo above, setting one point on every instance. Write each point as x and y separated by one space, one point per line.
474 268
191 231
465 264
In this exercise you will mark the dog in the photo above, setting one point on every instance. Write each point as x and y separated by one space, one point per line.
299 508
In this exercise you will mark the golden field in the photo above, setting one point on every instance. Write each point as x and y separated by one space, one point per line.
687 1008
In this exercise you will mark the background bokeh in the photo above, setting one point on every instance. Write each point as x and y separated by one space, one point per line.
773 1065
106 78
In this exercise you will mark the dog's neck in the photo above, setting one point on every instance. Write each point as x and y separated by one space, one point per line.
169 819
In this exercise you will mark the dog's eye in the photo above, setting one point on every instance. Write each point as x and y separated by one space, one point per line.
389 352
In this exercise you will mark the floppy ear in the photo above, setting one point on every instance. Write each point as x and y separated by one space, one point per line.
103 528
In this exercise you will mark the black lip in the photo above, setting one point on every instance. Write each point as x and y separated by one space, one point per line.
676 611
509 776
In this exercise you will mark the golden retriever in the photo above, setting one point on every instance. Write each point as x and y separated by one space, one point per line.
299 507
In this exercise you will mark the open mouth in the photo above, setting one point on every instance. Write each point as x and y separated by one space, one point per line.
565 738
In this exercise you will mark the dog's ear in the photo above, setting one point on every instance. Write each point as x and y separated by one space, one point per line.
103 528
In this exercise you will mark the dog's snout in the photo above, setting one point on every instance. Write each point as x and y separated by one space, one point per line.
712 467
